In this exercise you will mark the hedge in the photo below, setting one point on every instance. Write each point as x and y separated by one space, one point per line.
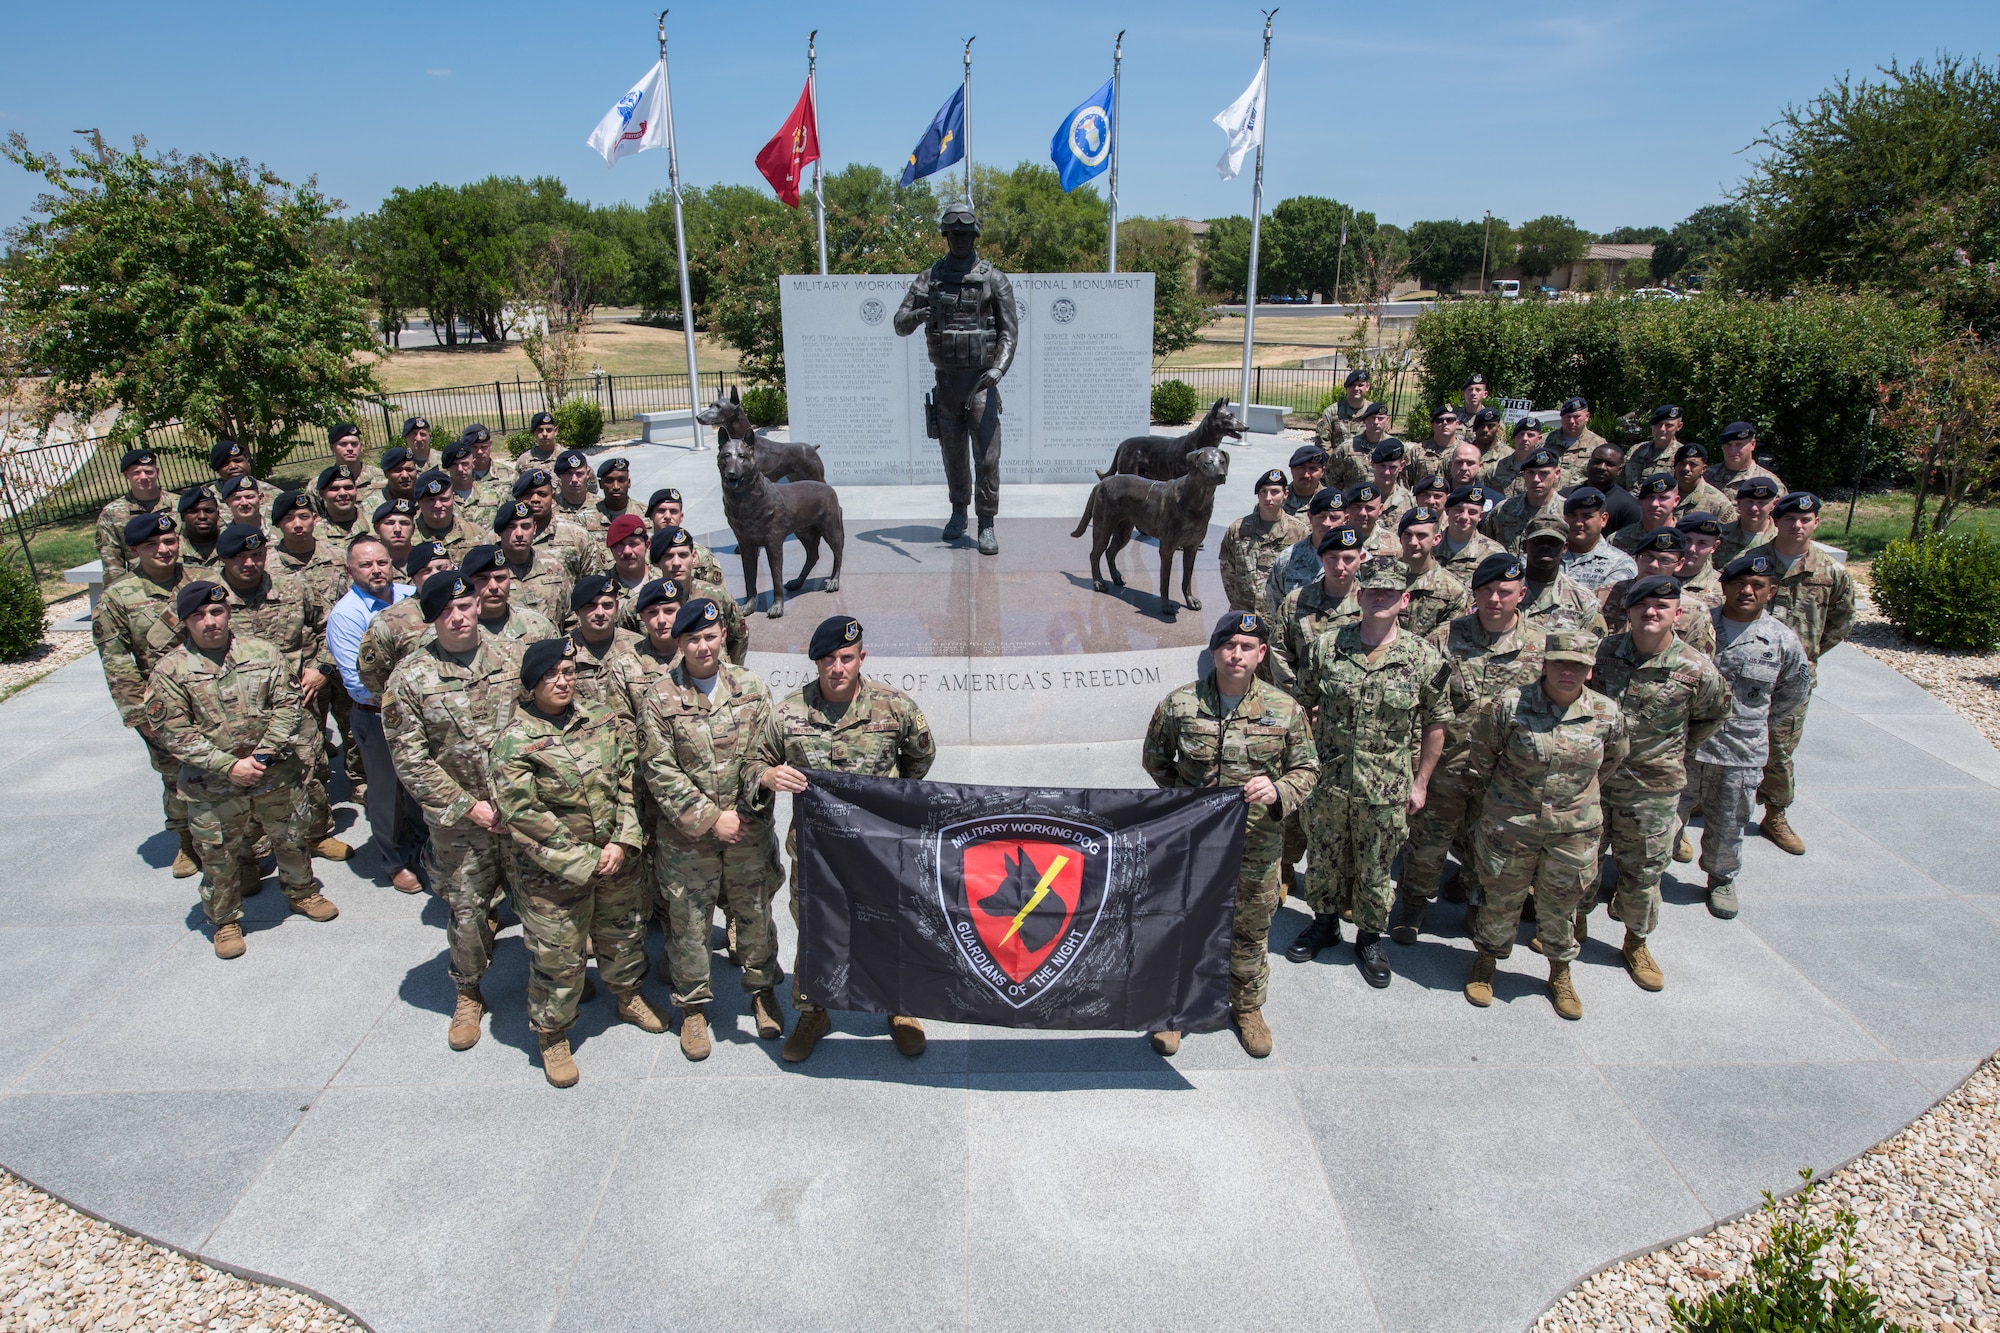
1802 370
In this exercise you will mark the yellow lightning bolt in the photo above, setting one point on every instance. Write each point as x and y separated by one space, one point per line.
1041 892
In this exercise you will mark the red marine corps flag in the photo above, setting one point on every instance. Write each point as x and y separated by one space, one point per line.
783 160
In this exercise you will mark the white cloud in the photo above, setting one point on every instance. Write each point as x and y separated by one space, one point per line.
438 72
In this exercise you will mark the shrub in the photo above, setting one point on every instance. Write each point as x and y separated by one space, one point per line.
766 406
1175 402
519 443
1943 590
24 616
579 423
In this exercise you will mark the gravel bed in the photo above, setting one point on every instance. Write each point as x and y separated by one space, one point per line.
59 648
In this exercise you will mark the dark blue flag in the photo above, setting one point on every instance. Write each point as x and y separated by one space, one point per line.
943 143
1082 146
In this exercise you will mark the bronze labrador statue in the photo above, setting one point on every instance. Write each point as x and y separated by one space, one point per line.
779 461
1162 458
762 514
1174 513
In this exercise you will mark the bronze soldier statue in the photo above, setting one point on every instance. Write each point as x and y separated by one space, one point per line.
965 307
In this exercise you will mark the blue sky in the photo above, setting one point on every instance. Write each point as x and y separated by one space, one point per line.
1610 112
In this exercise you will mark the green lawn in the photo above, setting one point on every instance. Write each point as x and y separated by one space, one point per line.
1882 518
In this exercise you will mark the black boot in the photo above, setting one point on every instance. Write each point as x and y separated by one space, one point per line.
1323 933
954 527
1374 962
1408 922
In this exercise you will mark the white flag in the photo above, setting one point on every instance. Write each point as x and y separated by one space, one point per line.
637 123
1243 122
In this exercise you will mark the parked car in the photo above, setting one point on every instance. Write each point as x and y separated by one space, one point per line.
1505 287
1550 292
1657 294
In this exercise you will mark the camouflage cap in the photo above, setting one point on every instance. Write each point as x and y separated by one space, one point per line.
1382 573
1570 645
1545 525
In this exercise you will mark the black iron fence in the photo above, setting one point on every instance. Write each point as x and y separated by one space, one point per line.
1294 388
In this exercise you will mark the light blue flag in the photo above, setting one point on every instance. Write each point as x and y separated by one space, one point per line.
1082 146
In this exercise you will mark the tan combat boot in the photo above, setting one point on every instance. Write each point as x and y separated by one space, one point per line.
1479 982
1562 991
1253 1032
317 906
557 1062
908 1034
1639 962
633 1009
1166 1043
186 866
769 1018
812 1025
331 849
1683 847
1778 830
229 941
465 1015
694 1034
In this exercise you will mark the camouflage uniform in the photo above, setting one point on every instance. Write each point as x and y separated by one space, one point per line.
735 629
1770 678
288 614
323 571
1483 665
208 714
1192 742
1643 461
1705 496
881 733
111 522
1693 628
395 633
594 664
1510 518
442 721
1561 603
458 539
369 486
696 749
1369 718
1702 589
1723 479
1307 614
479 503
1600 566
1671 702
542 585
501 472
631 676
1735 541
340 531
564 787
1295 504
198 558
1250 549
1541 816
134 626
1461 564
1436 598
1574 455
707 569
585 516
1627 538
1816 599
1339 423
568 543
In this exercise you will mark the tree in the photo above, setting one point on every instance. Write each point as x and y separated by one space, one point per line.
197 289
1301 244
1028 225
1547 243
1634 236
1695 239
1947 415
568 274
1225 257
1441 253
1162 247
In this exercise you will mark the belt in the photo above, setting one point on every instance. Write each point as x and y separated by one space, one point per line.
366 708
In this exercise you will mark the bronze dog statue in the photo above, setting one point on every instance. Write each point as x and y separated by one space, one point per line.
1174 513
1162 458
779 461
762 514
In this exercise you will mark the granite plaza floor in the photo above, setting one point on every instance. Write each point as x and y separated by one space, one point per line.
1403 1161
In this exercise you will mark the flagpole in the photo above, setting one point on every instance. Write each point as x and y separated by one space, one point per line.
680 239
812 93
1117 56
1256 218
967 108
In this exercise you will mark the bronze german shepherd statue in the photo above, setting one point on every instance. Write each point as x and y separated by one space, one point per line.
778 461
1162 458
762 514
1174 513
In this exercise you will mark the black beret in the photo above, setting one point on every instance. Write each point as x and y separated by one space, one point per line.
411 425
1690 450
611 465
587 590
1324 500
340 430
1416 514
142 528
1575 403
1666 412
1467 495
440 591
457 449
394 457
1582 498
541 658
1759 562
1653 585
541 419
329 475
531 480
1389 451
391 507
1528 423
696 614
1666 539
238 538
1658 484
1306 455
1342 538
1361 492
288 501
1497 567
228 486
482 560
193 496
1486 416
665 495
511 511
134 457
1796 502
833 634
1446 411
424 553
1699 522
1737 430
193 596
1355 377
655 591
666 539
1541 458
1431 481
476 433
223 451
1239 622
569 460
1374 409
1757 488
433 484
1474 378
1272 478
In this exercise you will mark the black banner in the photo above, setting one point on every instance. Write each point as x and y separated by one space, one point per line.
1018 906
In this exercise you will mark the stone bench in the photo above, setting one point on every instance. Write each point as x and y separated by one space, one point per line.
649 422
1264 418
90 576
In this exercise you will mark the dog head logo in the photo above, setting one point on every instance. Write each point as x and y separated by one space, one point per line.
1023 894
